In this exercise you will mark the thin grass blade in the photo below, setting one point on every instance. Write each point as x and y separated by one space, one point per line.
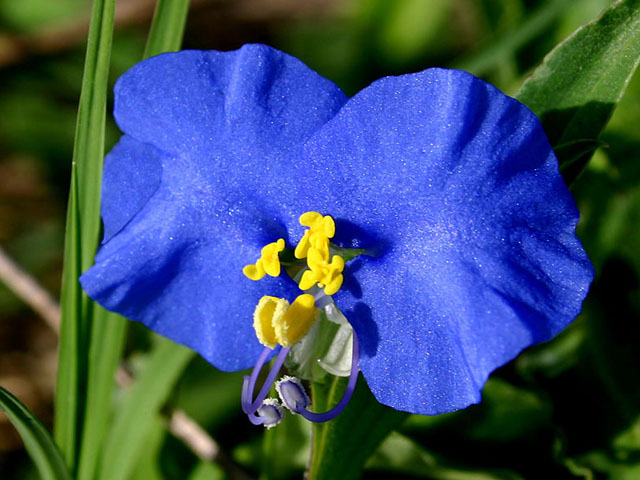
128 436
36 438
167 28
107 341
83 229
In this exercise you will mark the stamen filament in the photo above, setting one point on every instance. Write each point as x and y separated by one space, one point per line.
250 406
255 419
246 398
351 386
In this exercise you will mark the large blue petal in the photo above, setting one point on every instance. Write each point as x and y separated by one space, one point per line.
255 100
131 176
186 201
458 188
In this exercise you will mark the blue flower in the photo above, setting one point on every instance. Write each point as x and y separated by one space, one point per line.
452 184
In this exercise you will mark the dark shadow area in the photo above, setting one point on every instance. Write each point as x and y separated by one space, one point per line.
581 122
362 321
351 283
600 398
350 235
574 132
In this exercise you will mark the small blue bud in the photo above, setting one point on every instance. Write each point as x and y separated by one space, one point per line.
292 394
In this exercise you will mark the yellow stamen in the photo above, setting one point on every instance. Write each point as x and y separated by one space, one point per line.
333 286
308 280
297 320
303 245
309 219
254 272
268 263
326 275
328 226
277 322
267 311
321 229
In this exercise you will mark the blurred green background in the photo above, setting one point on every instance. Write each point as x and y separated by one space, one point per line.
566 409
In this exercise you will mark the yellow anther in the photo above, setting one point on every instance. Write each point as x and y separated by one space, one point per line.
326 275
328 226
309 219
334 285
296 321
270 259
303 245
309 279
254 272
316 259
268 263
268 309
277 322
321 229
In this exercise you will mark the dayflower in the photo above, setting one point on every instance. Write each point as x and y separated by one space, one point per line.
449 186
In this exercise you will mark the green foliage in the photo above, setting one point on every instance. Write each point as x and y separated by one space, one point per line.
28 14
107 338
83 227
37 440
576 89
342 446
504 48
167 27
566 409
140 407
400 454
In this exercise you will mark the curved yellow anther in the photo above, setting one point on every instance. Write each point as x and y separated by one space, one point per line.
326 275
309 279
333 279
267 311
309 219
296 321
303 245
316 259
321 229
254 272
268 263
328 226
334 285
277 322
270 259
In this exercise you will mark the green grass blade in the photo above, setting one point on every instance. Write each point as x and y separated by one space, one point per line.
579 84
107 342
37 440
128 436
67 389
167 28
83 229
89 143
109 330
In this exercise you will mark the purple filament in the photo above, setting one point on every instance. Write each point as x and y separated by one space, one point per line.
255 419
246 398
250 406
351 386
